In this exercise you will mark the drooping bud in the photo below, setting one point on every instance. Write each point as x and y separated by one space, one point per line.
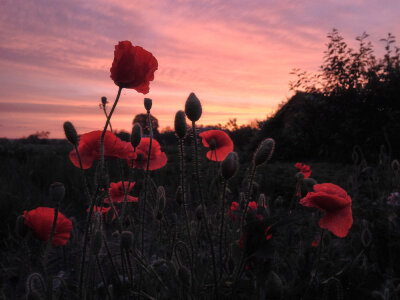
126 241
70 133
180 124
193 108
147 104
57 191
136 135
299 176
20 228
104 100
264 151
97 242
230 165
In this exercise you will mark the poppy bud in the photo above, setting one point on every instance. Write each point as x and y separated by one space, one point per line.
184 276
70 133
147 104
180 124
193 108
97 242
115 234
178 196
20 228
136 135
104 100
57 191
230 165
126 241
262 200
395 165
264 151
34 286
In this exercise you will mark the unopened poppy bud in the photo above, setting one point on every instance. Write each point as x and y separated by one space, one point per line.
57 191
230 165
299 176
279 201
104 100
20 228
193 108
147 104
180 124
274 286
309 183
136 135
179 196
97 242
126 241
34 285
70 133
264 151
184 276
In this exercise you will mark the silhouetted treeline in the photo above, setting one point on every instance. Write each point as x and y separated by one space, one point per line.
353 100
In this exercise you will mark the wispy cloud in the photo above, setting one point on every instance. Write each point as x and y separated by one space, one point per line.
235 55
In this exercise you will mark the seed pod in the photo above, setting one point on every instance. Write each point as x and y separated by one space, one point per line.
136 135
20 228
230 165
126 241
264 152
97 242
193 108
70 133
180 124
104 100
57 191
147 104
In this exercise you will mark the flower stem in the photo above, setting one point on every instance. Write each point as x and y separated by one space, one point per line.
222 229
203 207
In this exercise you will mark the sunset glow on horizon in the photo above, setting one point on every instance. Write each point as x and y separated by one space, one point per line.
236 56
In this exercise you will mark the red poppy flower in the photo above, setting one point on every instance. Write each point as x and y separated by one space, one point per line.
303 168
253 205
89 148
336 204
133 67
315 243
219 142
158 159
40 220
117 192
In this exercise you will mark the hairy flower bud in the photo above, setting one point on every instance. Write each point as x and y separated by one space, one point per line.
180 124
126 240
299 176
57 191
104 100
20 228
136 135
230 165
274 285
70 133
264 151
148 103
193 108
309 183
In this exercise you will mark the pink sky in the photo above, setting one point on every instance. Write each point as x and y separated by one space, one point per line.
55 56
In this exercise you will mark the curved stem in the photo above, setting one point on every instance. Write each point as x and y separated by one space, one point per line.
222 229
105 112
